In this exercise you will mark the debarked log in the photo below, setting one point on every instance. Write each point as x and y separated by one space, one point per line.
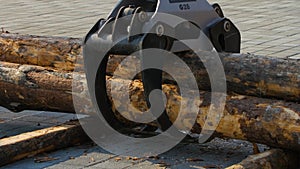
272 122
246 74
272 159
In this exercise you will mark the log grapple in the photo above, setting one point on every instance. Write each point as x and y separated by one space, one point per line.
117 36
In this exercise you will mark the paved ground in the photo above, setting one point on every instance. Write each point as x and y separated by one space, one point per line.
215 154
269 28
12 124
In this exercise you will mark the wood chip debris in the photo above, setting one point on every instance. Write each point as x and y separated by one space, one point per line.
117 159
44 159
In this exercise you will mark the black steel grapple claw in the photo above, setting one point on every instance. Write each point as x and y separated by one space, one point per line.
119 36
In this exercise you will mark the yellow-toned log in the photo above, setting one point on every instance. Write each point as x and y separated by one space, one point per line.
56 52
246 74
272 122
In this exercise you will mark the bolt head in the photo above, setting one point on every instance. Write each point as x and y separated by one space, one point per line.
142 16
227 26
160 30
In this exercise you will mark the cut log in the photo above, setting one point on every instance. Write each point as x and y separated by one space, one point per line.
32 87
29 144
271 159
266 121
246 74
57 52
271 122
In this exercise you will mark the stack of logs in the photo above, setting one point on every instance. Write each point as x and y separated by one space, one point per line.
263 93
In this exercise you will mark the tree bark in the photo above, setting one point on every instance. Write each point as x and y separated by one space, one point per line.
56 52
271 159
271 122
246 74
25 87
